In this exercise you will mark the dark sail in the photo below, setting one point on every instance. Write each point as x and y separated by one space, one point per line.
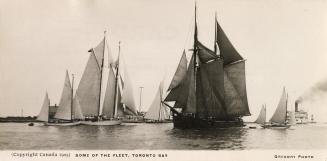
234 71
180 92
180 72
226 48
191 88
204 53
214 86
235 89
210 86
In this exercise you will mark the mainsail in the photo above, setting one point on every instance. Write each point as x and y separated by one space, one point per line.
89 89
158 111
65 104
44 113
280 114
262 116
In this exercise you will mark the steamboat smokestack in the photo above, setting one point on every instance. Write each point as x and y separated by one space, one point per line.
296 106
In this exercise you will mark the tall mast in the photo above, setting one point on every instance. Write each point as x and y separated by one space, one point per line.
286 106
116 83
140 99
216 34
101 72
48 108
195 48
71 104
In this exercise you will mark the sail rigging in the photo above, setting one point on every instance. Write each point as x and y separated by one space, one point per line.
280 113
44 113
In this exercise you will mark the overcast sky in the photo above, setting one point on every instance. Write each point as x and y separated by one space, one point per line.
284 42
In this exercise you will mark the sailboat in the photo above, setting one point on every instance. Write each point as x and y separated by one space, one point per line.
118 99
44 113
279 118
90 89
158 111
65 111
261 117
211 92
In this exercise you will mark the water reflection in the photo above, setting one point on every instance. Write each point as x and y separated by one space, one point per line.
215 139
157 136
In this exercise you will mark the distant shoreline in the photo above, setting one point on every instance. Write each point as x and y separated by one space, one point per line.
18 119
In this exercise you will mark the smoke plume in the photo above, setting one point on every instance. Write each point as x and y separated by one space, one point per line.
316 92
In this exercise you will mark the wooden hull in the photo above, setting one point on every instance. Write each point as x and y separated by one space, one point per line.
62 124
187 122
102 122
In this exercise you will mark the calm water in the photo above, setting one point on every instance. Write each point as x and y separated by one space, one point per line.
159 136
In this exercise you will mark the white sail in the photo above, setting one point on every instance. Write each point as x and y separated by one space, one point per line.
44 113
158 110
109 100
88 90
77 109
280 113
65 104
99 52
262 116
127 95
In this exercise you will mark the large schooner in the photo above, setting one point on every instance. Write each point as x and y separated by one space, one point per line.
211 92
91 85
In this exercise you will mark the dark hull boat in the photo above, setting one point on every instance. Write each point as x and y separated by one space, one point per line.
211 90
187 122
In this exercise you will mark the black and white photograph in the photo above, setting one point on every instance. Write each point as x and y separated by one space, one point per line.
164 78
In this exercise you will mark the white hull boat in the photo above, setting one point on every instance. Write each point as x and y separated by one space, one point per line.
102 122
62 124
